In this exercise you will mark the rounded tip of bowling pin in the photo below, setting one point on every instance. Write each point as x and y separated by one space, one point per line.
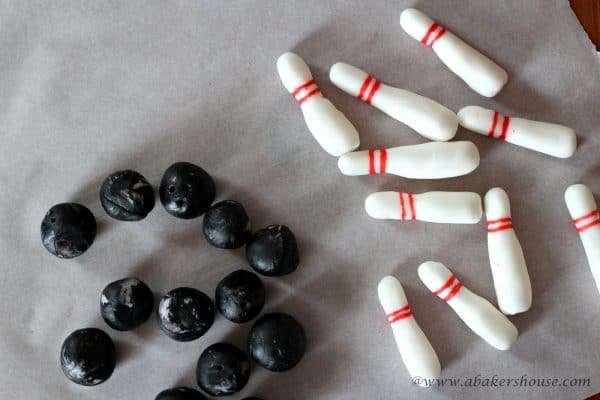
371 204
335 69
286 57
580 200
293 71
575 191
495 191
375 205
391 294
345 164
286 61
408 15
428 266
430 272
494 197
386 285
467 114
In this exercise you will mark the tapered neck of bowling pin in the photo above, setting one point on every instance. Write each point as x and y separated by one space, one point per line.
421 27
306 91
407 206
497 210
582 207
499 126
398 315
449 289
499 224
368 88
587 221
433 34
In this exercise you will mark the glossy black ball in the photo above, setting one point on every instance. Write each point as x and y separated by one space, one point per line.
180 393
226 225
126 304
222 369
68 230
273 251
185 314
186 190
240 296
277 342
88 356
127 196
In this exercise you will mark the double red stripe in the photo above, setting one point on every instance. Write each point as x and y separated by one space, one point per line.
305 87
367 91
399 314
505 123
587 221
433 34
453 284
411 205
500 224
377 155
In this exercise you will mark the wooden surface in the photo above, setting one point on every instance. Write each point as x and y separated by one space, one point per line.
588 13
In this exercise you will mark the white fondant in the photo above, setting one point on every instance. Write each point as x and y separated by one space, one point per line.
479 72
328 125
507 262
440 207
583 209
416 351
477 313
427 117
552 139
433 160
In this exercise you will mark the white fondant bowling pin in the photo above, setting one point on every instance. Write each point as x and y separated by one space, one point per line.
552 139
427 117
416 351
584 211
328 125
477 313
479 72
440 207
433 160
511 279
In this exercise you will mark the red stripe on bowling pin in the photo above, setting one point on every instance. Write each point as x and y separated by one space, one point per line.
399 314
377 158
306 91
499 224
364 86
587 221
407 206
452 287
501 134
433 34
369 87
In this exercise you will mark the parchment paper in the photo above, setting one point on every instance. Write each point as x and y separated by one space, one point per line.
89 87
